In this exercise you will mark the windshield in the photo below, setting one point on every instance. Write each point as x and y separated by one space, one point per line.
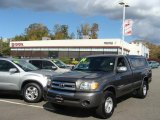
105 64
59 63
25 65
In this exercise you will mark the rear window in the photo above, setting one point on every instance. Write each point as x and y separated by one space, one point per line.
138 62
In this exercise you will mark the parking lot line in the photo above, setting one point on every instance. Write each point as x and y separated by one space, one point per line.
22 104
35 106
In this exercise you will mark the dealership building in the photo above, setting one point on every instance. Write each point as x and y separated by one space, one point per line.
76 48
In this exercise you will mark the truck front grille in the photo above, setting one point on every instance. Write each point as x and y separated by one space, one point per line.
63 85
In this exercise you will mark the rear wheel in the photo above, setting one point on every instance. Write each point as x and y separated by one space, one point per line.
32 93
106 108
142 92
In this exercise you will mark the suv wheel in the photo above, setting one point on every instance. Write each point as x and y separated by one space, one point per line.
106 108
142 92
32 93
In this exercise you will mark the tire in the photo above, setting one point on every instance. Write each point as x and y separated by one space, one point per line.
32 93
105 111
142 92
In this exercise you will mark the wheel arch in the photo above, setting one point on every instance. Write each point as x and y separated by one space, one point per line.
111 89
30 81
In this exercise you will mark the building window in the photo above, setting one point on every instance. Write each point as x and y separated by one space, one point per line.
74 49
85 49
97 49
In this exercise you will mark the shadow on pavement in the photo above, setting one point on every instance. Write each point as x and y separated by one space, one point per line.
68 111
78 112
10 96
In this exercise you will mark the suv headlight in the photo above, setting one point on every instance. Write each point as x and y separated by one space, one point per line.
48 78
89 86
49 82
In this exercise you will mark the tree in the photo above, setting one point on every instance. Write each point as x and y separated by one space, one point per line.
94 30
79 34
60 32
72 36
64 30
154 53
87 31
36 31
20 38
4 48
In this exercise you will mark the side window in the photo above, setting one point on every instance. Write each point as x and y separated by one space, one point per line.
138 62
36 63
5 66
121 62
47 65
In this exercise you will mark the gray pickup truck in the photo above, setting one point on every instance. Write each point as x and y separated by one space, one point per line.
98 80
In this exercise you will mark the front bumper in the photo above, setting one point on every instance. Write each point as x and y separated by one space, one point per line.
74 99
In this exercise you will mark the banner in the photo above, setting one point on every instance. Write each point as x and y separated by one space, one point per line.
128 27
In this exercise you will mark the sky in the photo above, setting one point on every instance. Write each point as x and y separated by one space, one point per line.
16 15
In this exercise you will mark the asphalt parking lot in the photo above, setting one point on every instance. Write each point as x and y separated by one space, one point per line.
14 108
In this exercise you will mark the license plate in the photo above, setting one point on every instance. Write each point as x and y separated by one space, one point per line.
59 99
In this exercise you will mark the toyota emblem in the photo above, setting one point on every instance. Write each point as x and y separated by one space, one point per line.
62 85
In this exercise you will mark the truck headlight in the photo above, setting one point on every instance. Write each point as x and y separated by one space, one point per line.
88 86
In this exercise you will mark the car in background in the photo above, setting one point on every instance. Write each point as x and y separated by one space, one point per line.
19 76
48 64
153 64
61 64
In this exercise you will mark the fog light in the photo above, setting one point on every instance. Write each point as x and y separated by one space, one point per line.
85 103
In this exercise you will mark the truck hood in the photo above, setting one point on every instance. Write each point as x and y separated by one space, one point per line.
73 76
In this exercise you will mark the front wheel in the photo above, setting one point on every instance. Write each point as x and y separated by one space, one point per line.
106 108
32 93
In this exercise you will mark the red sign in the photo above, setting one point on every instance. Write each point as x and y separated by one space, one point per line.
17 45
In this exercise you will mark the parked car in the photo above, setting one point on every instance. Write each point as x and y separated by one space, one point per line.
97 81
153 64
48 64
19 76
61 64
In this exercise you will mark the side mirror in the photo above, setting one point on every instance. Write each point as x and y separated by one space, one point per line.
54 68
13 70
121 69
72 68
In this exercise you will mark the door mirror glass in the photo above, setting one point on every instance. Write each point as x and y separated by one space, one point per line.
121 69
13 70
54 68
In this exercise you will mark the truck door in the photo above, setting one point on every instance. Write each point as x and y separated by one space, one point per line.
123 79
138 68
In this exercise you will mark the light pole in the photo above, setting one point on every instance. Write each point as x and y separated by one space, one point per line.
1 45
124 15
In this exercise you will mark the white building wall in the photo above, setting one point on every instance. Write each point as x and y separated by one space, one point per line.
134 48
66 43
138 48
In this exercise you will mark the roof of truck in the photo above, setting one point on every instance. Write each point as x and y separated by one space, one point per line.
113 55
